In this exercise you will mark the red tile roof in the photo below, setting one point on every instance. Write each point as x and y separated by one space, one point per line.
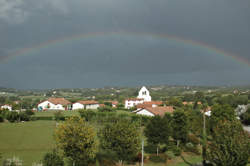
87 102
160 110
149 104
61 101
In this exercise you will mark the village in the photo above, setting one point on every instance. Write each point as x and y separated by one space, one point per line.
182 118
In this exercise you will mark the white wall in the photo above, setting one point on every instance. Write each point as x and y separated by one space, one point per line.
81 106
52 106
131 103
144 112
6 107
144 94
76 106
92 106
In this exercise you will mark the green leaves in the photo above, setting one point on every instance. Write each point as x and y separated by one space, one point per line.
76 138
121 137
229 146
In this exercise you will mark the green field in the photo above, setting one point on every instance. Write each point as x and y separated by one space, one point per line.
29 141
51 113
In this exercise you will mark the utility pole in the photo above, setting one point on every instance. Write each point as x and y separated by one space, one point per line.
204 145
142 152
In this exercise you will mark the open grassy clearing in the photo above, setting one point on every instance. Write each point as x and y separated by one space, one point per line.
29 140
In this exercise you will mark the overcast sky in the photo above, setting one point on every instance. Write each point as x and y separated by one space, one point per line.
123 59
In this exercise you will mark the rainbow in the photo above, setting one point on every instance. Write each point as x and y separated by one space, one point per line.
191 43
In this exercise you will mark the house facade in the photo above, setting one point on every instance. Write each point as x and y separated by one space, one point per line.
6 107
85 104
143 96
54 104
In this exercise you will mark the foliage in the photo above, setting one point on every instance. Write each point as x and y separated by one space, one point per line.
88 114
23 116
245 117
162 158
52 159
58 115
12 116
76 138
175 102
158 130
180 126
1 118
106 109
221 113
29 112
230 145
122 137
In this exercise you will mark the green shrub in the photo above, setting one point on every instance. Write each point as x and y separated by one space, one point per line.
170 154
1 118
88 114
52 159
12 116
24 117
161 158
44 118
58 115
193 139
106 109
176 151
29 112
189 147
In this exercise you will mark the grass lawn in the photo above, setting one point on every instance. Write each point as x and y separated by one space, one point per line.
29 141
51 113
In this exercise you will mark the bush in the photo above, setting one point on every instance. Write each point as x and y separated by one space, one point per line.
106 109
24 117
189 147
58 115
161 158
193 139
170 154
43 118
176 151
52 159
1 118
245 117
29 112
88 115
12 116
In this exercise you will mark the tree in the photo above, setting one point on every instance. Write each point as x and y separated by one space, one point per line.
122 138
230 145
76 138
222 112
52 159
158 130
245 117
180 126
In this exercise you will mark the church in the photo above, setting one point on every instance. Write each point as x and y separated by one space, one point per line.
143 96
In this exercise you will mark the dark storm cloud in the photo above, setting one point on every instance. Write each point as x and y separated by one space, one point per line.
25 23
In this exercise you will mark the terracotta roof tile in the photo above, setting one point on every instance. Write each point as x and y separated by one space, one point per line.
61 101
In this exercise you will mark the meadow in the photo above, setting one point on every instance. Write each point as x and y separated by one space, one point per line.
31 140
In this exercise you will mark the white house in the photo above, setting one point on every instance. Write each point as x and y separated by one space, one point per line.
153 111
143 96
6 107
132 102
54 104
87 104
